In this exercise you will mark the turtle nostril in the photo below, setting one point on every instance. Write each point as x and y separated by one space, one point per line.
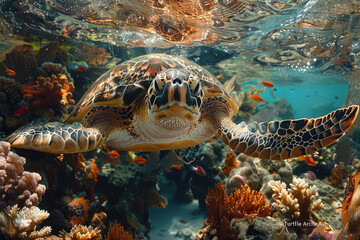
177 80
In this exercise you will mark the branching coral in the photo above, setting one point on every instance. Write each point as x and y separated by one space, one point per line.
18 223
230 164
298 202
221 209
53 87
117 232
17 186
80 232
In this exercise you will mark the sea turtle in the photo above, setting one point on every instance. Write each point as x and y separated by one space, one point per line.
162 102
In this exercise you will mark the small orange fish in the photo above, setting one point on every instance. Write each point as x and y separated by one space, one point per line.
212 140
113 154
310 161
139 160
162 204
267 83
182 221
10 72
219 76
20 111
256 98
178 167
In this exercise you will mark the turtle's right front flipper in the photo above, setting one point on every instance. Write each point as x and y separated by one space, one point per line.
56 137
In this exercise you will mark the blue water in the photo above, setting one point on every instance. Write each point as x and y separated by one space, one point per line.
313 95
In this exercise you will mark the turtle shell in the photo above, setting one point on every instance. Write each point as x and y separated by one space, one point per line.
126 85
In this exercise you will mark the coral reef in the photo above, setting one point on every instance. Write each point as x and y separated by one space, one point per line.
80 232
252 228
230 163
282 168
18 223
53 87
246 173
221 209
11 88
18 186
296 203
22 60
117 232
78 211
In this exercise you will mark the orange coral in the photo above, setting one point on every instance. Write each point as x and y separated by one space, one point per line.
221 209
49 91
79 208
350 213
117 232
230 164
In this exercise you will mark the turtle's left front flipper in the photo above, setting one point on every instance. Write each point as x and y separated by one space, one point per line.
56 137
278 140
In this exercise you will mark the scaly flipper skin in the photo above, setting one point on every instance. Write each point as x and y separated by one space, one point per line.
56 137
279 140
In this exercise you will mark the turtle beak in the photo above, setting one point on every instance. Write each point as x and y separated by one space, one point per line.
179 91
177 97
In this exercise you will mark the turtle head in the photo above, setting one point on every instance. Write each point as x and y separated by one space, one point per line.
175 98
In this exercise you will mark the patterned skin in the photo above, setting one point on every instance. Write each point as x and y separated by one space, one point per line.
161 102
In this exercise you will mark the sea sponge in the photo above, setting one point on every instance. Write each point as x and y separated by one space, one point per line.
18 186
18 223
78 209
298 202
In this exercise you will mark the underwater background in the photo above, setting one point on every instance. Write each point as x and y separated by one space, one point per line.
285 59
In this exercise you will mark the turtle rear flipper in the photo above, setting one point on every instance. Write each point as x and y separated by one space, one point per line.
56 137
278 140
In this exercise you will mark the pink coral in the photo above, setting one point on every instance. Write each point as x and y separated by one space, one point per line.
17 186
